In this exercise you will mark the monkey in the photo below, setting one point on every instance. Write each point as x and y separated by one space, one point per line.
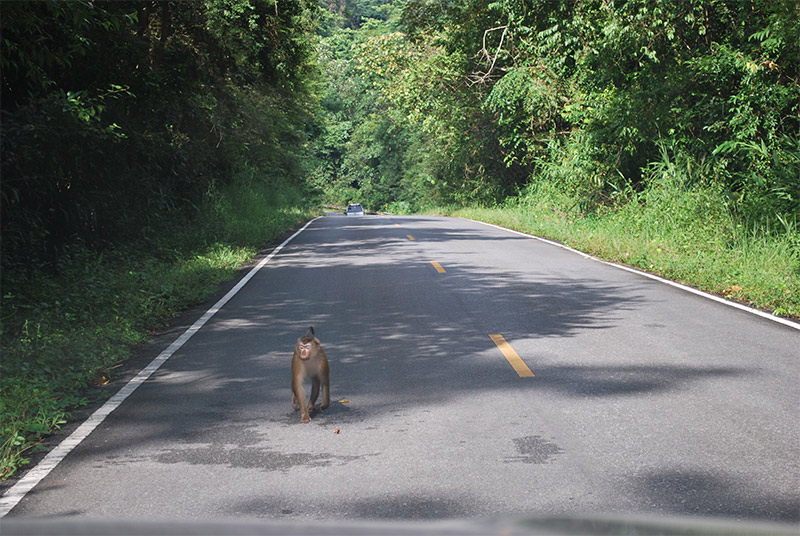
309 361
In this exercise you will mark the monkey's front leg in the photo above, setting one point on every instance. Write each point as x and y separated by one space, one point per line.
299 400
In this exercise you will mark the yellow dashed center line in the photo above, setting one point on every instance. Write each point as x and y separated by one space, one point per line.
513 358
410 237
438 267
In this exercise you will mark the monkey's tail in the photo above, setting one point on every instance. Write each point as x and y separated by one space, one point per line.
310 331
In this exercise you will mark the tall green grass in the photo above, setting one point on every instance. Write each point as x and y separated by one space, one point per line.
680 225
64 332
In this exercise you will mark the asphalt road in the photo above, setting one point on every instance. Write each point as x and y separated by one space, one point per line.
642 398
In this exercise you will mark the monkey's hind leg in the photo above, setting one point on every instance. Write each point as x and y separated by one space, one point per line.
326 395
314 394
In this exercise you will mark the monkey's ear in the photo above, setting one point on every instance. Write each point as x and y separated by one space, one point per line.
316 339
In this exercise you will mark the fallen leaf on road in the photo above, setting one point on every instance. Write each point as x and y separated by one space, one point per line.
336 431
344 401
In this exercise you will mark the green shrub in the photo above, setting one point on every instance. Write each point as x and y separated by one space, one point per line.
682 225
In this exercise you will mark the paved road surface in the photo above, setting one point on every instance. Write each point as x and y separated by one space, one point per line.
644 399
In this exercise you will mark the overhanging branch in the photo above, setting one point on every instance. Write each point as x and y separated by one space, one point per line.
490 59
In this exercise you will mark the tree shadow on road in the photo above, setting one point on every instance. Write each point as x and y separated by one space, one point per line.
720 495
402 338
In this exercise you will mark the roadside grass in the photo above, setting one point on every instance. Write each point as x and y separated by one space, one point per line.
682 232
66 332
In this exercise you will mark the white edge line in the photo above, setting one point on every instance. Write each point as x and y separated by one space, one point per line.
729 303
35 475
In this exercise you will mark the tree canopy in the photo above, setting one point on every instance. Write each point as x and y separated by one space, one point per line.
120 116
469 101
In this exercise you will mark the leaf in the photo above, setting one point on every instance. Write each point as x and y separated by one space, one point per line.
732 290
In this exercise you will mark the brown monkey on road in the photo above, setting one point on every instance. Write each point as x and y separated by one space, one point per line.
309 361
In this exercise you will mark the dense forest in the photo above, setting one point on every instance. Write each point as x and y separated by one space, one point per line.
463 102
121 115
150 146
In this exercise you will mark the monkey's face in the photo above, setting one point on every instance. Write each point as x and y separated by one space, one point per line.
305 350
